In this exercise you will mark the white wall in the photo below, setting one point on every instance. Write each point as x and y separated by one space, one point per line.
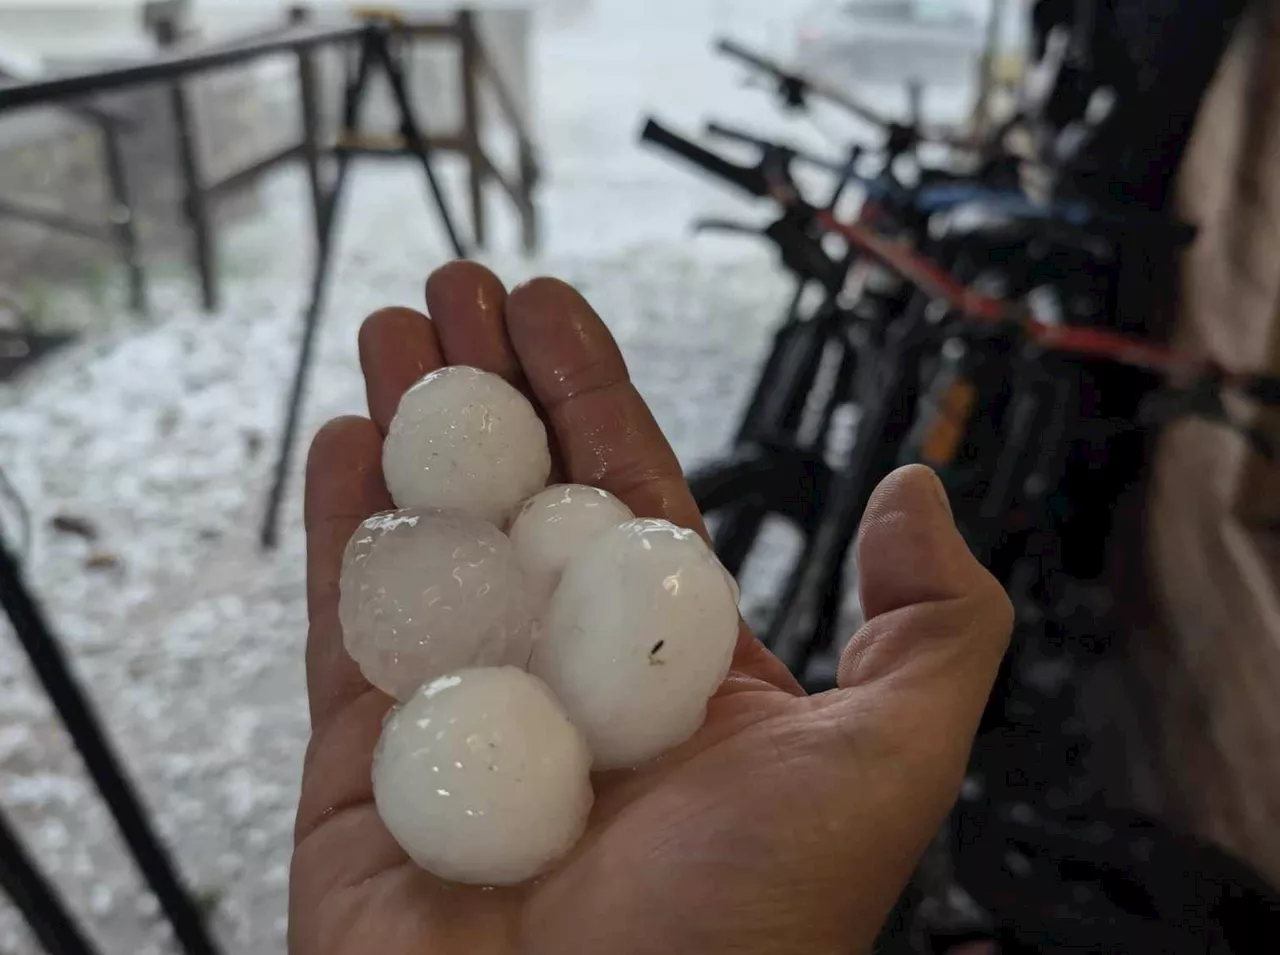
73 27
114 27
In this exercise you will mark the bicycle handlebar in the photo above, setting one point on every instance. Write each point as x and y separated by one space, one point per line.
933 198
800 84
739 52
750 179
734 135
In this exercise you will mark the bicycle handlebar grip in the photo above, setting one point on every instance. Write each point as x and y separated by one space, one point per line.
745 178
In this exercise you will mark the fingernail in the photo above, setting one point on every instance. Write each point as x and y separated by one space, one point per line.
942 494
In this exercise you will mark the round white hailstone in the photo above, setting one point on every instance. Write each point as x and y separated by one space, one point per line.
481 777
465 440
424 592
557 523
639 635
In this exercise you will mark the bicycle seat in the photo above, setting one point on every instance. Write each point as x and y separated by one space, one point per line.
1008 216
943 197
993 223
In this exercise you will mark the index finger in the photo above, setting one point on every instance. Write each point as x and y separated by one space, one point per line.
605 431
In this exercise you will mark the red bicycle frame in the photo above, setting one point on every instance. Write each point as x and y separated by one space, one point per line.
937 282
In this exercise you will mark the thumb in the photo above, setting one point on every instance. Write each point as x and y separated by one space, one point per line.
913 683
937 627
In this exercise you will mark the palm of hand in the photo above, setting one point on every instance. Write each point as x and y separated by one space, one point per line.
787 824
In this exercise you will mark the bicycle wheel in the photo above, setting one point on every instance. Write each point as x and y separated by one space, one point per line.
808 614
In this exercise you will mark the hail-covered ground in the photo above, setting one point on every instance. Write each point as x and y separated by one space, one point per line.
143 454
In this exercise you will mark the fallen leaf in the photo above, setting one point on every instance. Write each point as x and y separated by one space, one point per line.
103 560
73 524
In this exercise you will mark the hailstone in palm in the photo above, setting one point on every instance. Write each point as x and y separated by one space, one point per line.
639 635
557 523
481 778
466 440
626 627
424 592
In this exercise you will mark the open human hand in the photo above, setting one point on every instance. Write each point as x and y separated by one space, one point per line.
787 825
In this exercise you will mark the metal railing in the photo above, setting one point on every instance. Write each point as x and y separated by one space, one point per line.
176 65
120 230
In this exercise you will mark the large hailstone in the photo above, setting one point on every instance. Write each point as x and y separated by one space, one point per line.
639 636
481 777
557 523
424 592
465 440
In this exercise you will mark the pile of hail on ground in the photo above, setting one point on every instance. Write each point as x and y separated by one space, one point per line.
531 634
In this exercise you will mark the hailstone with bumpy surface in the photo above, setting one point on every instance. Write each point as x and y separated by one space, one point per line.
557 523
481 778
638 637
465 440
424 592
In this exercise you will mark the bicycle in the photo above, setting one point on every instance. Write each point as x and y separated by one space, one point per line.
826 502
